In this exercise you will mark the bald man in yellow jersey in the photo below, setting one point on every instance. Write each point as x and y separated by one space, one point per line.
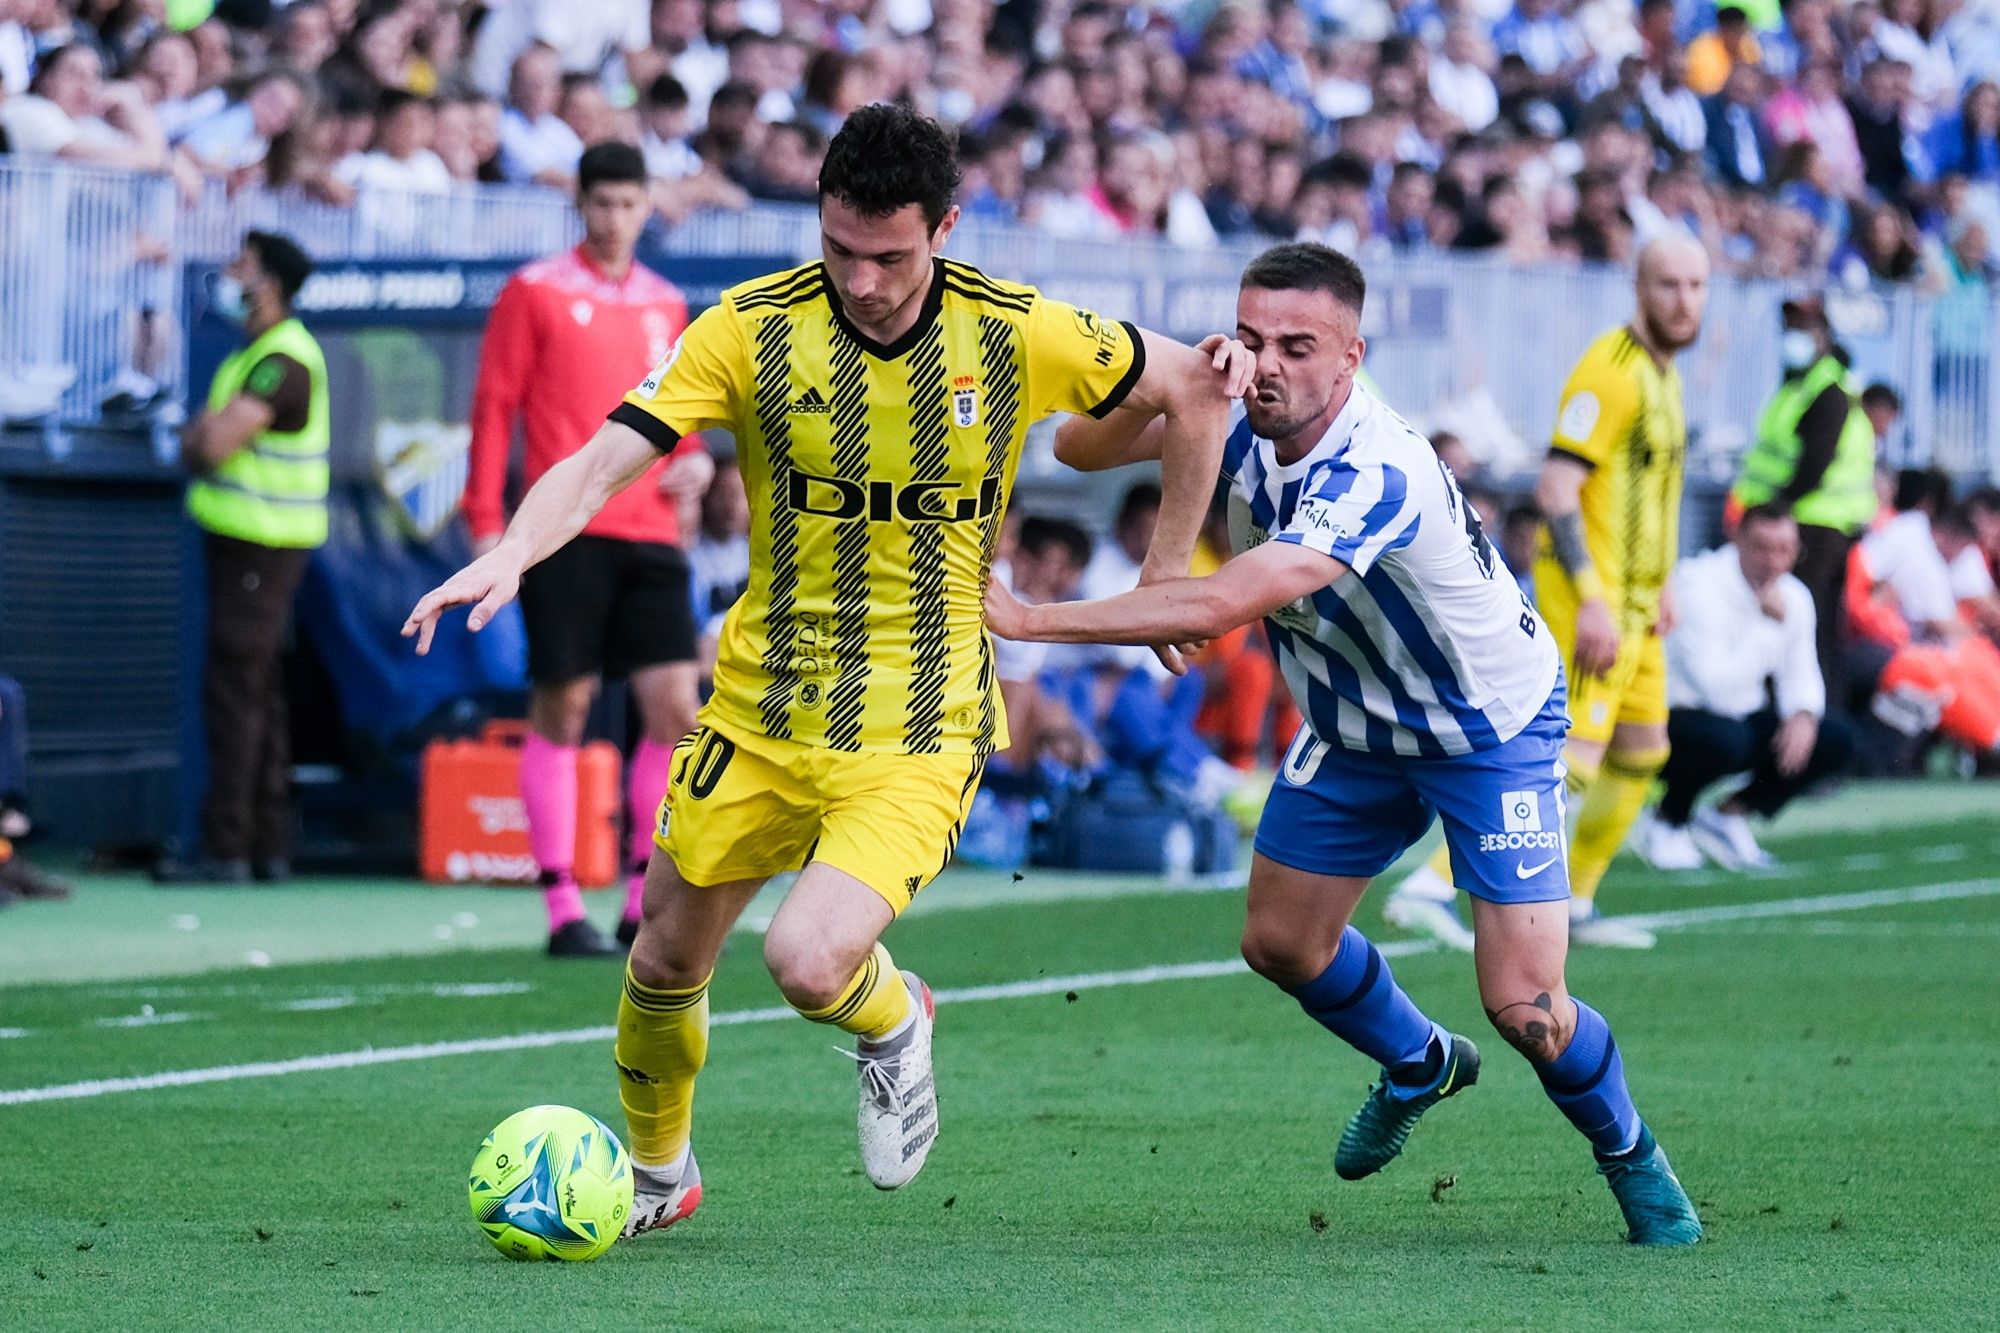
1610 493
879 399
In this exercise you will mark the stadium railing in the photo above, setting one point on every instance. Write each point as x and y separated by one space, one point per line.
1462 342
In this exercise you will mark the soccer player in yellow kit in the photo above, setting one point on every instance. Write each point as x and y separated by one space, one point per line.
879 399
1610 492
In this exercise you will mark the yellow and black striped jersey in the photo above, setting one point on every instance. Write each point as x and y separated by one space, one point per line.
1623 417
878 475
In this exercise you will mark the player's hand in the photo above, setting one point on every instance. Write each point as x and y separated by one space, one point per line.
1232 360
1005 614
1793 745
487 584
1668 616
687 475
1596 638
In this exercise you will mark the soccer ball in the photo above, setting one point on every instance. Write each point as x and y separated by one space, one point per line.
551 1182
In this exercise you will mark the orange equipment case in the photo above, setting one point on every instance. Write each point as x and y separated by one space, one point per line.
473 826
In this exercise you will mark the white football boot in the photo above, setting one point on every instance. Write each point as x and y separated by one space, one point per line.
658 1204
1587 925
1728 840
898 1118
1424 903
1665 846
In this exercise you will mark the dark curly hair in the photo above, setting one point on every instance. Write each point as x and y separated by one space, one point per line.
887 157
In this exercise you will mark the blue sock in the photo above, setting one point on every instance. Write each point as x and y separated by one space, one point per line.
1359 1002
1587 1084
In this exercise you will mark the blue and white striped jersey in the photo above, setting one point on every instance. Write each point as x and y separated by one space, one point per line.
1426 646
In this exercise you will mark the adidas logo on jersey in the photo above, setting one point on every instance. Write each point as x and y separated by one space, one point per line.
810 401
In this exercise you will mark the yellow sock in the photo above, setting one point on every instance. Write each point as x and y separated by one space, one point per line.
1440 862
1610 805
662 1044
875 1001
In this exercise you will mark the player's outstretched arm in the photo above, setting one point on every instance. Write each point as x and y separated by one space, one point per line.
1252 585
1190 391
553 511
1132 433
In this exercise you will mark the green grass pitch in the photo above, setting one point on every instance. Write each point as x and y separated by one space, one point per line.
1117 1152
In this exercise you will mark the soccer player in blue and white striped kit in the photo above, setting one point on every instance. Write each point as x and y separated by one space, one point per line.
1429 686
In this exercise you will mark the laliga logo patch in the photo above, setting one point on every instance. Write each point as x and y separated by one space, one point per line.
1579 417
965 401
651 384
1520 812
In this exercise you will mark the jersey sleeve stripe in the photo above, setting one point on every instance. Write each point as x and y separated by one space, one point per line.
1017 302
657 432
1123 387
1557 451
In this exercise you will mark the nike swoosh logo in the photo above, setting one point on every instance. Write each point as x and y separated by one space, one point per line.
1529 872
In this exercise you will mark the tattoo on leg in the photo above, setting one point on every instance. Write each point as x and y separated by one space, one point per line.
1530 1028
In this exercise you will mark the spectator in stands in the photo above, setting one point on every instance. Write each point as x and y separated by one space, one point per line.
1739 146
1882 248
166 71
1884 407
233 142
1745 695
1811 112
1956 532
1717 53
1549 43
1815 457
785 167
1046 565
719 559
1967 143
535 143
70 112
18 879
305 38
258 457
1880 110
587 37
1520 533
1461 76
401 157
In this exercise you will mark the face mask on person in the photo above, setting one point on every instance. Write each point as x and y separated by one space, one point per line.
229 300
1798 348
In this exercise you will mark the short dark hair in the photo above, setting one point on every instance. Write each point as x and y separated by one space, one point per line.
1307 266
391 100
1879 394
666 91
280 256
609 163
1986 498
1763 513
1038 534
1140 496
887 157
1920 486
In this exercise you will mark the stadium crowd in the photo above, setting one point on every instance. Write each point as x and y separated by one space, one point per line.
1797 139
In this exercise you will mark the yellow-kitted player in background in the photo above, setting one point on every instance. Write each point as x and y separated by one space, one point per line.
1610 492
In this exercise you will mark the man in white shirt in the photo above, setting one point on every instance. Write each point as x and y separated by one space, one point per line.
1743 638
401 158
1903 554
535 144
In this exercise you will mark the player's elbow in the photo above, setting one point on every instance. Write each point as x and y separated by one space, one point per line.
1073 448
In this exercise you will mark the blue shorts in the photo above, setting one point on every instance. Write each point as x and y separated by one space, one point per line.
1335 811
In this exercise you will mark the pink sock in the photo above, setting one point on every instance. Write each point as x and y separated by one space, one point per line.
635 896
548 792
645 784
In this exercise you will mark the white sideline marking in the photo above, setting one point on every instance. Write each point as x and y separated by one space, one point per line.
6 1033
309 1064
1831 902
147 1019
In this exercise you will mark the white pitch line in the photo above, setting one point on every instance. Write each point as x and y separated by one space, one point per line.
310 1064
1830 902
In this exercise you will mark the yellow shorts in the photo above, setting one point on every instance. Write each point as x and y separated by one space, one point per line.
743 806
1633 691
